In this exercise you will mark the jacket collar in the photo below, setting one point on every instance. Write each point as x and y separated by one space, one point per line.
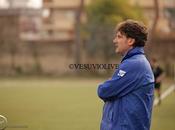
132 52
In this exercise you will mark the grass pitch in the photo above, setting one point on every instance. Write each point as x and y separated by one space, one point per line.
64 104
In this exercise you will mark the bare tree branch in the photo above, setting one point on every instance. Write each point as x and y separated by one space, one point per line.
77 32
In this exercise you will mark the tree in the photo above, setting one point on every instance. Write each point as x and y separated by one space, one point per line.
9 36
156 18
102 17
78 39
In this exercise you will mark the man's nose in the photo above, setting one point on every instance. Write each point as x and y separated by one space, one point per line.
114 40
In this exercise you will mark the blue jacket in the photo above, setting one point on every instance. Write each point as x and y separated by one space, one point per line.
128 95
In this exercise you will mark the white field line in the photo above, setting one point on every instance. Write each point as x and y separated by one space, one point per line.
165 94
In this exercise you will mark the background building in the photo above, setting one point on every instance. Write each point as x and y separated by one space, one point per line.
166 13
18 3
59 18
48 34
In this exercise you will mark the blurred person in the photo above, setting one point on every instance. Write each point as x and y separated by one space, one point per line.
158 75
128 95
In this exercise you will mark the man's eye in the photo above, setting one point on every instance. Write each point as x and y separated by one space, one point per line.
119 36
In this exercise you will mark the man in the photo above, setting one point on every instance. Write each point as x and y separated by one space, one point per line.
158 75
128 95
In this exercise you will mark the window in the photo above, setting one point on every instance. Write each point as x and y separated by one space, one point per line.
47 1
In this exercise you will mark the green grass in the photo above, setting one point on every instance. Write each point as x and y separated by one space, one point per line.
164 115
63 104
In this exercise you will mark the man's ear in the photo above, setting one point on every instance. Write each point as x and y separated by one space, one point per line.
131 41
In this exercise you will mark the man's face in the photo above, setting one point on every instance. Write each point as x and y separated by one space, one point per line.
153 63
122 43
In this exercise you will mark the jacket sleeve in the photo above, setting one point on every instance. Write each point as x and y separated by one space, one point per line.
126 78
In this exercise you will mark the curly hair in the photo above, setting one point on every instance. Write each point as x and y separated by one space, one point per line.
134 29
